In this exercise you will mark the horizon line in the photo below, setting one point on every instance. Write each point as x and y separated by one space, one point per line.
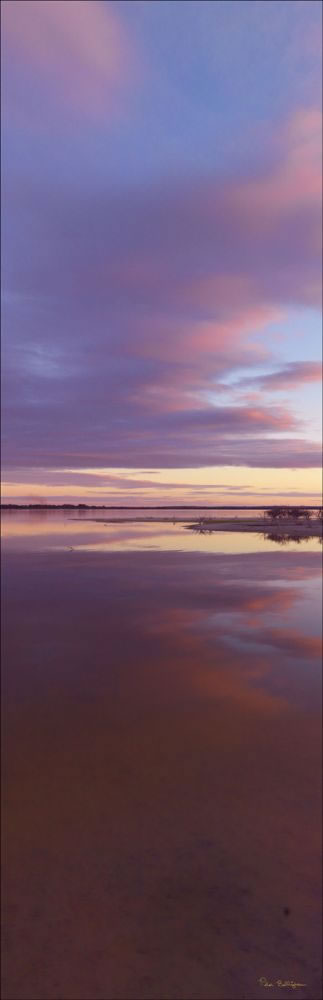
85 506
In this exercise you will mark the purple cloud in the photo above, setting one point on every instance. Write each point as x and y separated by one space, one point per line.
126 308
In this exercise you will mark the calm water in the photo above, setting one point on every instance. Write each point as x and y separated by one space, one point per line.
162 735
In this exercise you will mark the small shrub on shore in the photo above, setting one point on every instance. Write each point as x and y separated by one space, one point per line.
288 513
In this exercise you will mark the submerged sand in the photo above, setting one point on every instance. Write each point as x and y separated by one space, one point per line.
312 528
292 528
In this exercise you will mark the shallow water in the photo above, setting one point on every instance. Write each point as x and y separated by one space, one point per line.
161 696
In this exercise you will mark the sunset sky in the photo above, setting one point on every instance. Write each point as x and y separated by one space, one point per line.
161 251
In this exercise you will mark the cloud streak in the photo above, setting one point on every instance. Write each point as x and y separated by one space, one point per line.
291 376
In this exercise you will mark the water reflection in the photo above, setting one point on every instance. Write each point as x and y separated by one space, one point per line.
163 737
25 529
285 538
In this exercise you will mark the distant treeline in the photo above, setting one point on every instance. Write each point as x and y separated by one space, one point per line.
274 512
51 506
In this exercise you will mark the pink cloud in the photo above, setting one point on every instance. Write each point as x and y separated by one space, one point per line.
295 180
77 50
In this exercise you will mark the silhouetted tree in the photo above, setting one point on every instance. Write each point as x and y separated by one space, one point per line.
284 513
276 513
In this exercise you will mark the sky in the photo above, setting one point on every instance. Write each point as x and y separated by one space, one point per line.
161 251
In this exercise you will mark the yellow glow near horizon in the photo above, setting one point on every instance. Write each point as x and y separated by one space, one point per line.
211 476
221 484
